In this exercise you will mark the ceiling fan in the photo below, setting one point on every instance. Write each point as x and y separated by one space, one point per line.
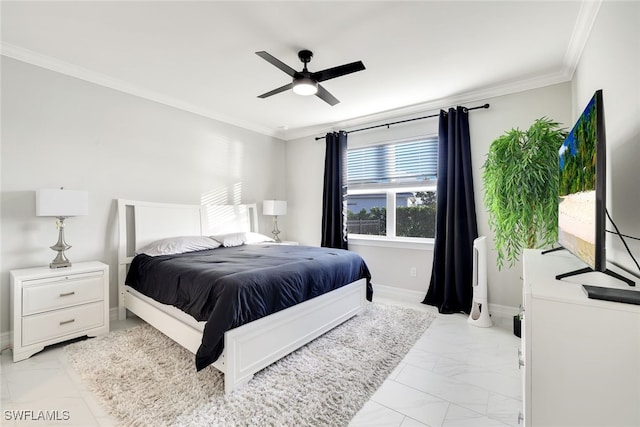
305 82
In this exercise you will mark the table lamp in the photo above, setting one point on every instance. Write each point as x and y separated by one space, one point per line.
61 204
275 208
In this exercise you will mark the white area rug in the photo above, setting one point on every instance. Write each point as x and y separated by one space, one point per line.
144 378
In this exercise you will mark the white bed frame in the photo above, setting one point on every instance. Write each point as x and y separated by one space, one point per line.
248 348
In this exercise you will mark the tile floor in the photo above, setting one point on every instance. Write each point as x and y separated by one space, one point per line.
455 375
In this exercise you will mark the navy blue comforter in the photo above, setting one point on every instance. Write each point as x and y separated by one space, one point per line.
228 287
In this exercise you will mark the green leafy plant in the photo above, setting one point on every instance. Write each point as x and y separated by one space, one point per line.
520 177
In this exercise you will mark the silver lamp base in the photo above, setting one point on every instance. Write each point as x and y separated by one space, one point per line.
60 261
275 230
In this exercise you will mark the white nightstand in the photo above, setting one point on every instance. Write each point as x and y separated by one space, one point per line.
53 305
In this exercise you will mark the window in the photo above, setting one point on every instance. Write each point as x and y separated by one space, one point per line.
391 189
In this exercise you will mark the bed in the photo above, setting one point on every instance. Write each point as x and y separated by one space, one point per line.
245 348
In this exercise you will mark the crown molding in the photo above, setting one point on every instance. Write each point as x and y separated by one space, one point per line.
587 15
481 95
66 68
585 20
81 73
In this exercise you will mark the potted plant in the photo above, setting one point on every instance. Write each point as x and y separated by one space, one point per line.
520 177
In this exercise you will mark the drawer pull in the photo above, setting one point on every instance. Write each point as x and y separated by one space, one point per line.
68 294
66 322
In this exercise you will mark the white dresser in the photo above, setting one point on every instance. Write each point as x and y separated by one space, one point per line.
581 356
54 305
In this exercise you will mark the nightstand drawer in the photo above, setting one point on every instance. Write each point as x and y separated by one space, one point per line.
54 324
65 291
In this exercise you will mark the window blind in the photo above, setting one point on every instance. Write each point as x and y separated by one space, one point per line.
400 164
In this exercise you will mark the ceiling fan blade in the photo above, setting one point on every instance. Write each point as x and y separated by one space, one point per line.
326 96
341 70
276 62
273 92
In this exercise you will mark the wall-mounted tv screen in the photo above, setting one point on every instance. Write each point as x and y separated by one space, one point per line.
581 209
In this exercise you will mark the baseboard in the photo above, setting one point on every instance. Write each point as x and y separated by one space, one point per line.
409 296
113 314
397 294
5 340
505 311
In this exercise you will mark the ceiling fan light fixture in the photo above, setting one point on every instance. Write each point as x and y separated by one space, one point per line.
305 86
305 82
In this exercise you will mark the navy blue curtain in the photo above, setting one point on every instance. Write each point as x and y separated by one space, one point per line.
334 197
451 288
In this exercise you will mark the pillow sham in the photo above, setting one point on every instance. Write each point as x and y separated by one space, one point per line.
178 245
231 239
254 238
240 238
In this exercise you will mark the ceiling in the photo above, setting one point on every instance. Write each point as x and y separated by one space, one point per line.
200 56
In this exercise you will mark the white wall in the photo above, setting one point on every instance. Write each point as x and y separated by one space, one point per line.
390 266
62 131
611 62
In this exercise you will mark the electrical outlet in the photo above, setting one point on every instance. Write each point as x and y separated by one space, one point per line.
413 272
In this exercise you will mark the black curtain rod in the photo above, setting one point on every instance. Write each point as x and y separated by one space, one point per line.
405 121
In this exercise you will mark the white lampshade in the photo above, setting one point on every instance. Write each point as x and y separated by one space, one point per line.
274 207
62 203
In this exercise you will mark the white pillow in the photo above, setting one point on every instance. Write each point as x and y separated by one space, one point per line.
178 245
231 239
254 238
240 238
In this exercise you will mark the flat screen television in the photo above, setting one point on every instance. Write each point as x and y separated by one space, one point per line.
582 190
